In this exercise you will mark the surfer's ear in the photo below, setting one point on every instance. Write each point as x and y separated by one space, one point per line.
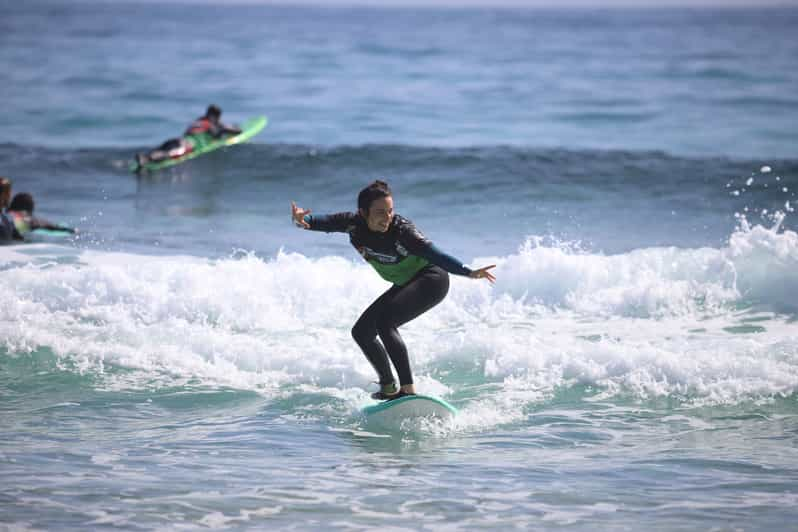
363 212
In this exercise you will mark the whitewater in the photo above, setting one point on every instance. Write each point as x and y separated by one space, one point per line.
657 322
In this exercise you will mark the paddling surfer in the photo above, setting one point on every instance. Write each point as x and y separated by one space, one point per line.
22 221
201 132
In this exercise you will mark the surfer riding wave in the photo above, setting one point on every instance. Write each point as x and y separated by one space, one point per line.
402 255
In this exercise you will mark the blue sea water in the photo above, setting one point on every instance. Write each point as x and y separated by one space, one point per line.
185 361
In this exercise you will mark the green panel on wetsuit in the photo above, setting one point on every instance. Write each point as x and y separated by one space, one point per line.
200 141
204 143
401 272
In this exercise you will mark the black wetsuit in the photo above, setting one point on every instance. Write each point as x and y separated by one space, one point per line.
199 133
8 230
403 256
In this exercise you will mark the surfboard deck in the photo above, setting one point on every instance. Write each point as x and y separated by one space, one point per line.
249 129
392 413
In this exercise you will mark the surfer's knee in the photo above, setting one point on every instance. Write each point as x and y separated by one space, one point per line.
361 332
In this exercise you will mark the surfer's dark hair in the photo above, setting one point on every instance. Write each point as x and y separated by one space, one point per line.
213 110
376 190
21 202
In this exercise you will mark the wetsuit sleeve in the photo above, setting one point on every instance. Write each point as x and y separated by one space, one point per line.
417 244
38 223
7 230
219 130
341 222
445 261
215 130
231 130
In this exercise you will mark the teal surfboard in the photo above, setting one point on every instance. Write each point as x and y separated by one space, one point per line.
249 129
60 233
393 413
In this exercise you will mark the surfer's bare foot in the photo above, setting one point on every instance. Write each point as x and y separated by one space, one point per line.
408 389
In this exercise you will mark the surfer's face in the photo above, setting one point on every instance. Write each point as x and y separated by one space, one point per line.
380 214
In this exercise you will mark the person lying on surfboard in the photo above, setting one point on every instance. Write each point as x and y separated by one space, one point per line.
203 130
402 255
20 214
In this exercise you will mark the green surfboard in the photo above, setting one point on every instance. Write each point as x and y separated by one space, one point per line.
249 129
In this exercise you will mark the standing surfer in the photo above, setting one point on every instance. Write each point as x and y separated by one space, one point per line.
403 256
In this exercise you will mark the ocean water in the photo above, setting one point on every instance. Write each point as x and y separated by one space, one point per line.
185 361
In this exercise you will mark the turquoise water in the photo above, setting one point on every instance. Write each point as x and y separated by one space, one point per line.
185 361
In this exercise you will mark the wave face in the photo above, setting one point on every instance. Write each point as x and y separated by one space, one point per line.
471 201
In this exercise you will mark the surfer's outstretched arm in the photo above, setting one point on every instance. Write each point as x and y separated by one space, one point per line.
452 265
426 249
39 223
341 222
413 240
229 129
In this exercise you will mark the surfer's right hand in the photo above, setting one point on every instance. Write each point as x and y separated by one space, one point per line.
298 215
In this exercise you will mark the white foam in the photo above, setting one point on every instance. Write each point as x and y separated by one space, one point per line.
649 323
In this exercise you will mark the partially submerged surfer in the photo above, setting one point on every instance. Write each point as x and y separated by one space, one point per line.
202 131
402 255
5 193
18 220
8 232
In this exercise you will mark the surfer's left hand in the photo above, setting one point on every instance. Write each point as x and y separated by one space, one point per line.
483 273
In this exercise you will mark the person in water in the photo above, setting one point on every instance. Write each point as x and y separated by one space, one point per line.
8 231
5 193
20 213
402 255
201 132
